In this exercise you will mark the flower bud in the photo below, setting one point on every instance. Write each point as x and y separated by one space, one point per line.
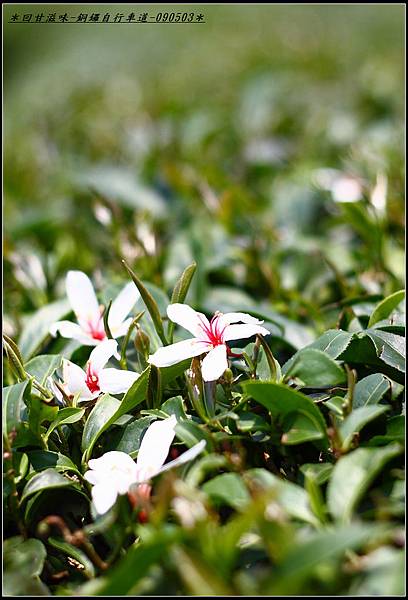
142 343
228 376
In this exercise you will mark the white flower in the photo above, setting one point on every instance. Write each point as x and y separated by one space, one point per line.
209 336
95 379
90 330
115 472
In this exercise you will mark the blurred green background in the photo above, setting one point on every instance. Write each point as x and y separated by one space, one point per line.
266 143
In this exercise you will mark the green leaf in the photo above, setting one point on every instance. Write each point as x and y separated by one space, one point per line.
136 394
45 459
169 374
180 292
150 303
281 400
48 479
42 366
36 327
102 415
292 498
199 578
249 421
128 438
133 566
23 564
301 429
390 348
352 475
228 488
314 368
336 405
321 547
107 410
14 407
203 465
356 420
395 432
190 433
385 307
65 416
370 390
333 342
320 471
74 552
383 574
39 412
172 406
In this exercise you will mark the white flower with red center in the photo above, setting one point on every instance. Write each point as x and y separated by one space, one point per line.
115 472
210 337
90 330
88 384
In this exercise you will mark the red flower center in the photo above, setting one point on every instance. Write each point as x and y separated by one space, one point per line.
97 332
92 380
213 332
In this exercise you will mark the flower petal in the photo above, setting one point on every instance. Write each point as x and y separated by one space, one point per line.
185 457
215 363
155 446
104 497
111 460
187 317
54 389
74 378
122 329
238 317
81 296
102 353
115 381
122 305
237 332
71 330
170 355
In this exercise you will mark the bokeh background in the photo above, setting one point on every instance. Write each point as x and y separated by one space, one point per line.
265 143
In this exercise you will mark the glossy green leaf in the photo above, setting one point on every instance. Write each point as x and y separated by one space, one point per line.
356 420
23 562
228 488
102 415
281 400
14 407
352 475
47 479
370 390
65 416
385 307
333 342
390 348
150 303
292 498
180 292
314 368
45 459
128 438
41 367
74 552
36 326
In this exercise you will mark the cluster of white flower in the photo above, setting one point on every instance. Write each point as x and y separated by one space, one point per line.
115 472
